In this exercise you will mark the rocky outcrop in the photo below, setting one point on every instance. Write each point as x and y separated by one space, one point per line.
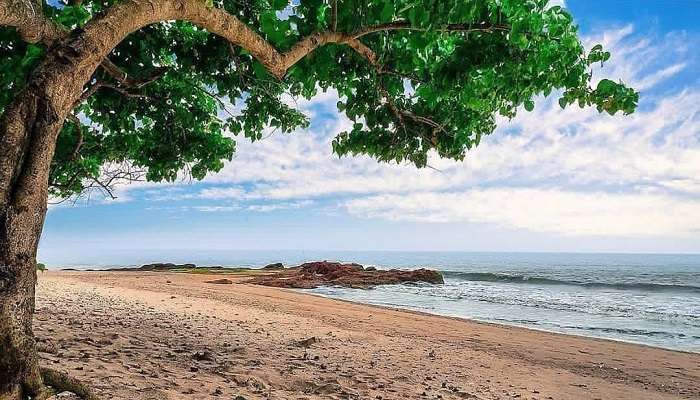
274 266
325 273
156 267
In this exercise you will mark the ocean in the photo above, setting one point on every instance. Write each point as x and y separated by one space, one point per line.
652 299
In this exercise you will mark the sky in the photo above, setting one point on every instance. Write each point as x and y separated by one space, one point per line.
551 180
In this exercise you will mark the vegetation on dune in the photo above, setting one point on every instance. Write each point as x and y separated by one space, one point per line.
94 92
226 270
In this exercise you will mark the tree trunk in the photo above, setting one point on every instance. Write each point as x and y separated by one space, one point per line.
19 368
29 128
28 132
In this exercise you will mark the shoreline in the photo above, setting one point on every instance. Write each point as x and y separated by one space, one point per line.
227 271
406 309
172 336
492 323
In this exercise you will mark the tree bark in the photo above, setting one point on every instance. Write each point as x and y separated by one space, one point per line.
32 125
29 128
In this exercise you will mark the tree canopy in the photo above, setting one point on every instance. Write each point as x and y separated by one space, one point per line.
414 76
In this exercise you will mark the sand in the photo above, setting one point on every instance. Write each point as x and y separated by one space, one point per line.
173 336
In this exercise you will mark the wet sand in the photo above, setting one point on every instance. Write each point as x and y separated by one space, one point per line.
136 335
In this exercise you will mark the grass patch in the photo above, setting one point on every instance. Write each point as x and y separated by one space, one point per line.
233 270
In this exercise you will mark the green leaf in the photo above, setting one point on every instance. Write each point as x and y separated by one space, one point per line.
72 16
388 11
323 16
460 83
563 102
280 4
529 105
34 52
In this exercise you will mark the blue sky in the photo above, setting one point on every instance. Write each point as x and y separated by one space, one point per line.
550 180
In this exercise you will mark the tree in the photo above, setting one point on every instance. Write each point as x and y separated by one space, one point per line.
99 91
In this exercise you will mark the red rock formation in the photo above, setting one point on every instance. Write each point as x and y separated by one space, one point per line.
324 273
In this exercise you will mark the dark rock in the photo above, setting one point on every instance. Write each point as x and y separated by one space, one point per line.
203 356
325 273
156 267
370 269
307 342
220 281
274 266
330 268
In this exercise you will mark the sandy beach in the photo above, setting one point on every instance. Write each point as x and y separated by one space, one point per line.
173 336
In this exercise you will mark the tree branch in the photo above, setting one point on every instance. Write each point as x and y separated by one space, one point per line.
28 18
136 14
101 84
79 128
406 26
124 79
334 15
399 113
87 93
363 50
316 40
104 187
119 75
110 176
124 92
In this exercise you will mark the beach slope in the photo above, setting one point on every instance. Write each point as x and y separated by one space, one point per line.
147 335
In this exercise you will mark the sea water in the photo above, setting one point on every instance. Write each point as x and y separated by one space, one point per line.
652 299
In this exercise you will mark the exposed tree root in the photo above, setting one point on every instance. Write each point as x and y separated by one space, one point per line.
14 392
42 393
61 382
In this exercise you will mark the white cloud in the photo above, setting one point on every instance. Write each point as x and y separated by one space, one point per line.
221 193
659 76
216 208
542 210
279 206
553 3
688 185
642 62
572 148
